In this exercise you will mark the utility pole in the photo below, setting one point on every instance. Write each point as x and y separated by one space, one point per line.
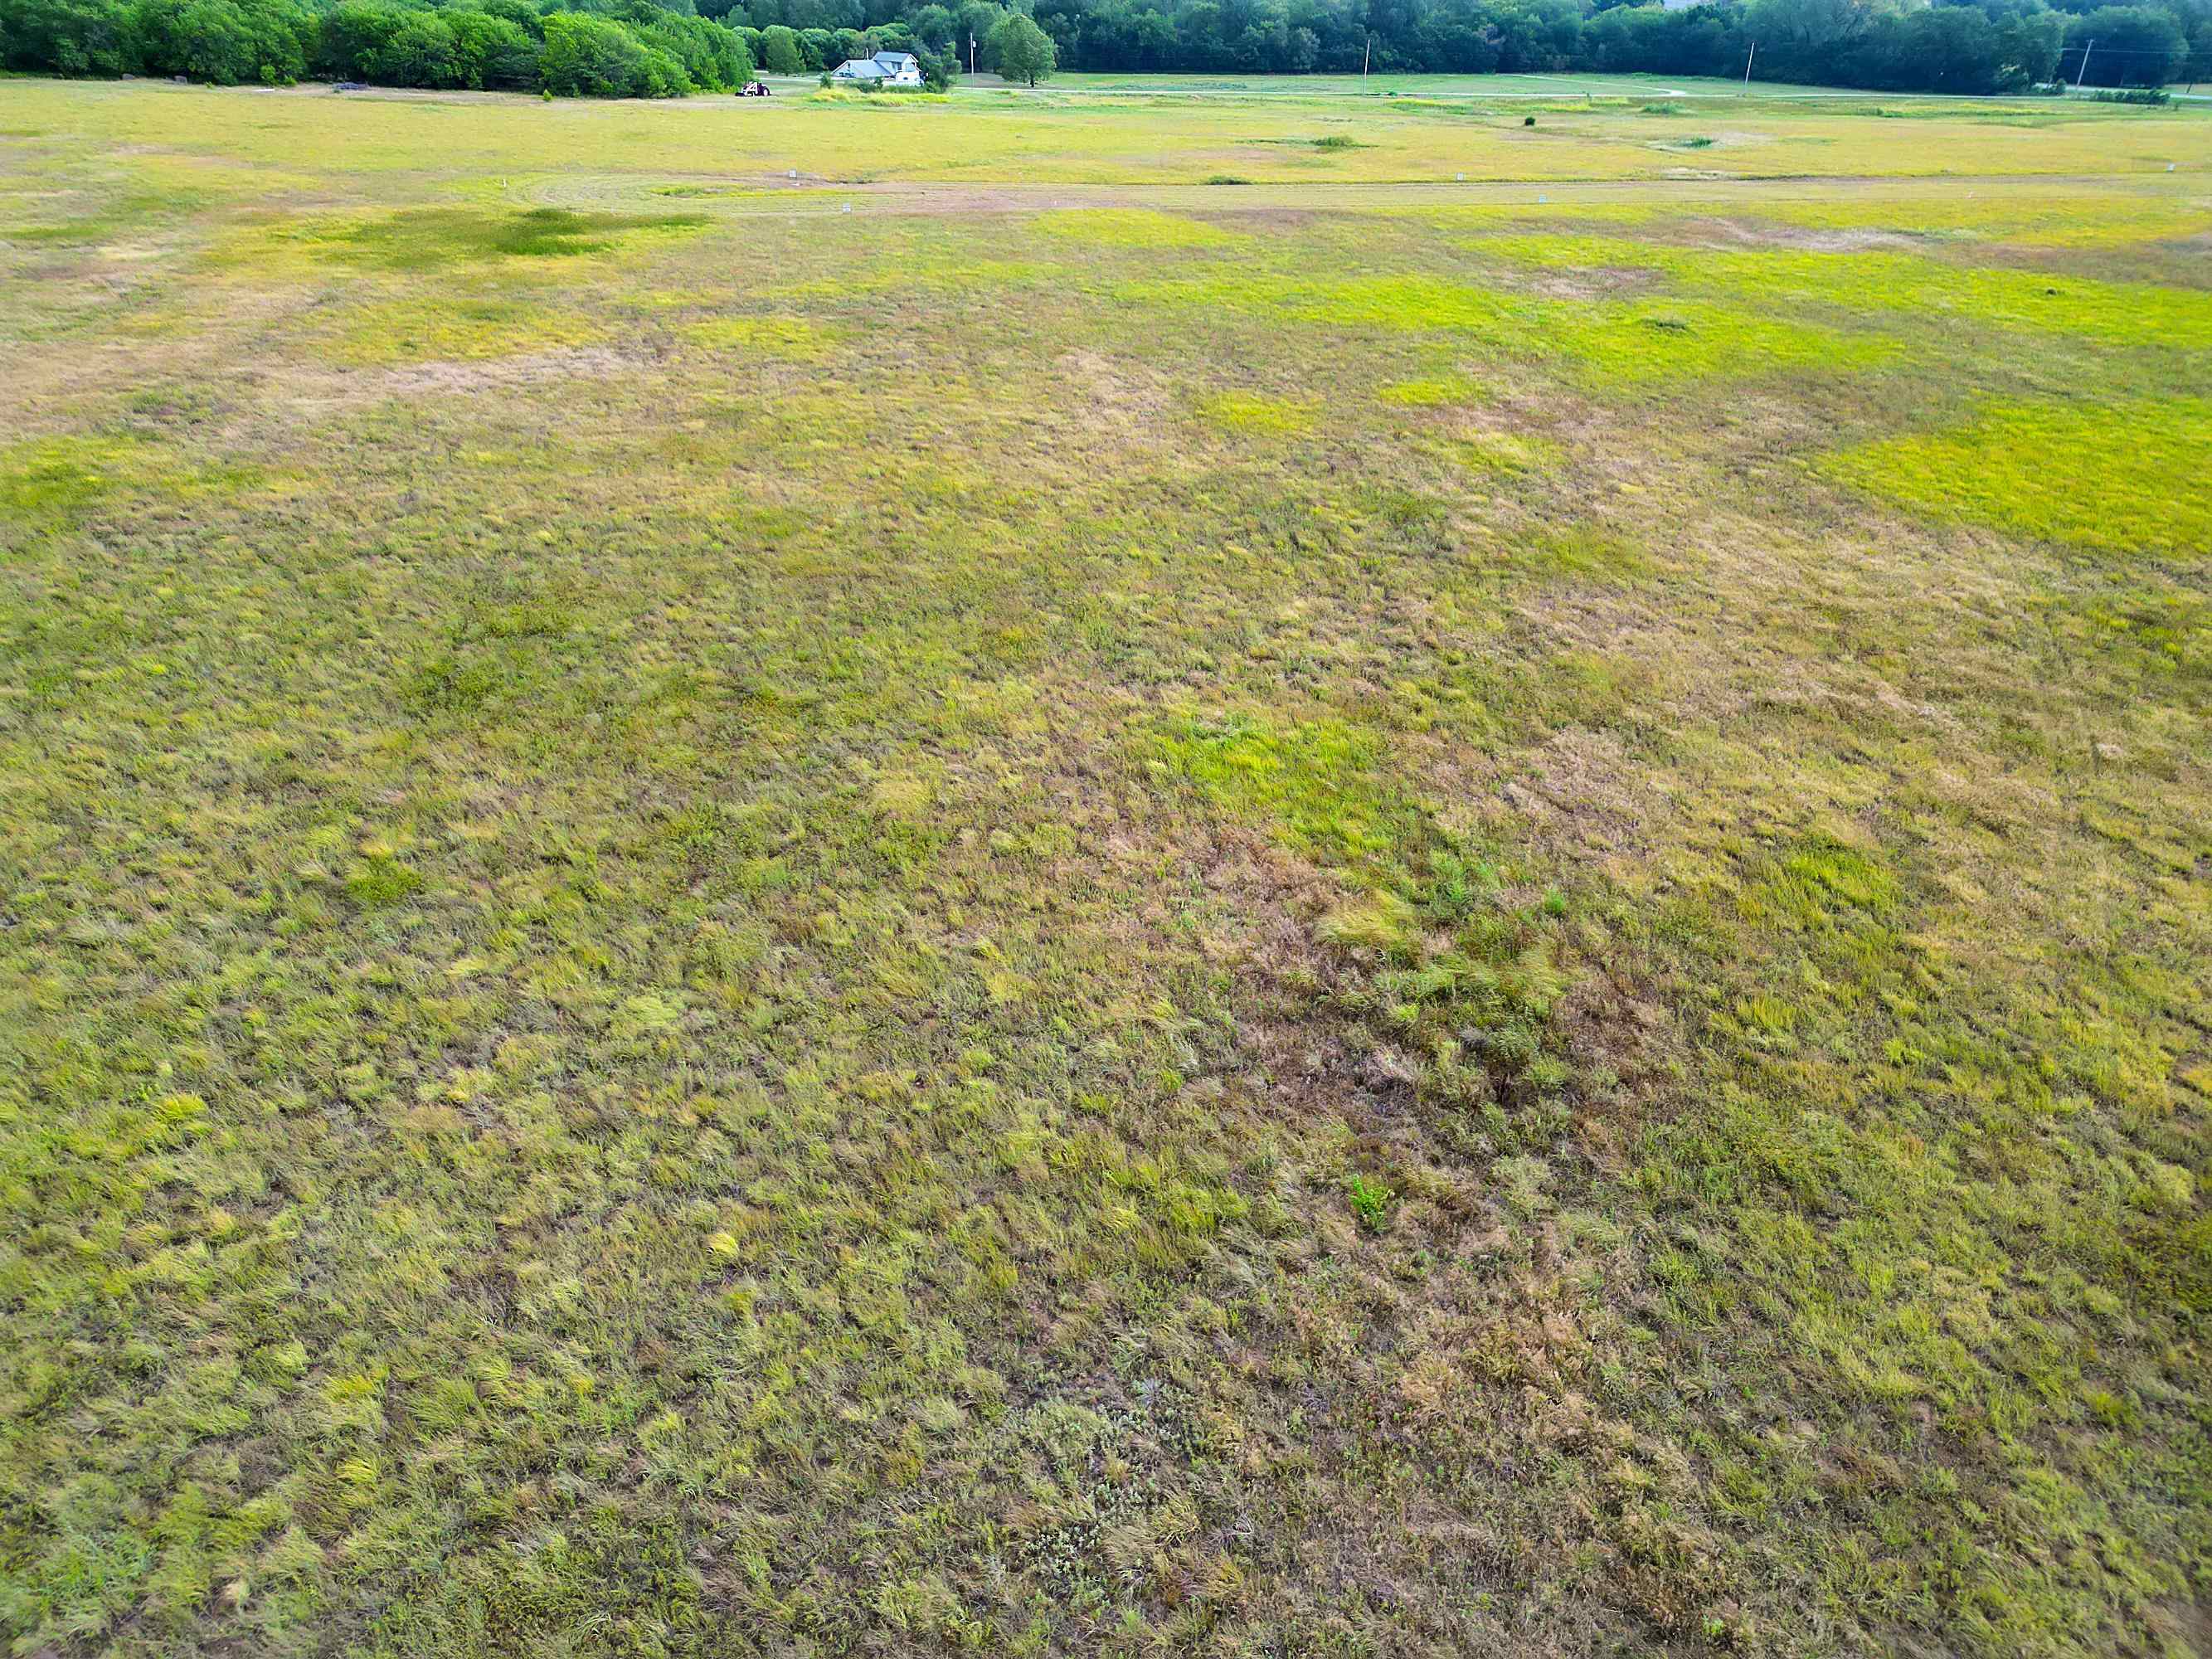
2081 73
1747 57
971 54
1367 55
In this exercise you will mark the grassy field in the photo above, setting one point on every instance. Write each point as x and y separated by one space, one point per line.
1424 129
1485 88
820 878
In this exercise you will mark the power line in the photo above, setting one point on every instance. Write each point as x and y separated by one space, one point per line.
2116 51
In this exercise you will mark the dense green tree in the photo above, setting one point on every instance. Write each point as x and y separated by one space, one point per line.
2133 47
1020 51
1970 46
468 43
418 53
67 37
591 57
780 52
932 25
492 51
224 41
973 20
712 56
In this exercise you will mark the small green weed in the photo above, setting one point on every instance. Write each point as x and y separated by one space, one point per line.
1370 1202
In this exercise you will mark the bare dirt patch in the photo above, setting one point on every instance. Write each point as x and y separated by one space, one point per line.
1598 283
753 195
1808 240
1116 388
318 390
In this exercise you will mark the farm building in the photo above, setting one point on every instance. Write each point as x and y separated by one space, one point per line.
885 69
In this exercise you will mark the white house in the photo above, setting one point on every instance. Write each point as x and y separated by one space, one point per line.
885 69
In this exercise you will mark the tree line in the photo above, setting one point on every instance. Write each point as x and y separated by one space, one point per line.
1948 46
591 48
639 48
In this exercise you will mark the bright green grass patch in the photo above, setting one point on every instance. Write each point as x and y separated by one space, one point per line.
1320 785
1397 302
792 337
56 480
1875 289
1243 412
1141 227
432 329
885 98
2124 478
1820 882
1411 303
58 476
1657 340
70 233
1642 340
1441 392
1503 452
926 270
1579 550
